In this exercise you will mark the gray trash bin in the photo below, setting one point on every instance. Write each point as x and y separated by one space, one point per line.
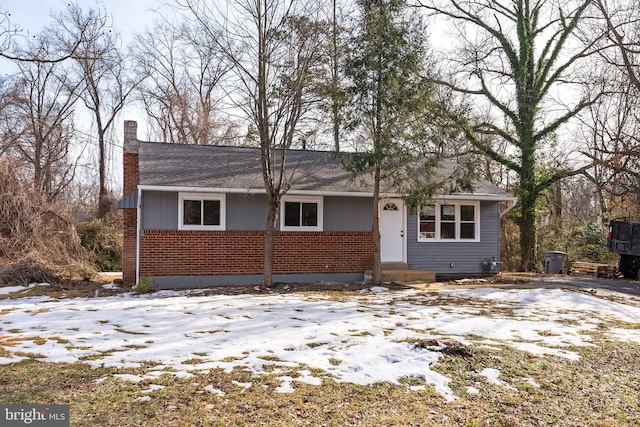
554 262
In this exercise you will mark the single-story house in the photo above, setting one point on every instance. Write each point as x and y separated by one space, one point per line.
195 216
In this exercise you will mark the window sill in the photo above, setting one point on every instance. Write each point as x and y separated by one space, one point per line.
448 240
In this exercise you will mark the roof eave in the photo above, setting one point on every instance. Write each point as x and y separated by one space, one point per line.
224 190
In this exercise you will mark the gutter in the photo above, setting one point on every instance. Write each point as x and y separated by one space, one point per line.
227 190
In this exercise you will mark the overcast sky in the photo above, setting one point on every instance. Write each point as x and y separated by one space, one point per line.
128 15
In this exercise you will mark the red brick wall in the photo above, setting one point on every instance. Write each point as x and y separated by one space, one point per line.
129 185
131 173
204 253
129 226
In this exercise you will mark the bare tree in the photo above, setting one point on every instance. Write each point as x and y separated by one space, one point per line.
42 115
274 47
8 100
182 90
514 57
614 129
101 68
7 31
330 88
622 21
10 48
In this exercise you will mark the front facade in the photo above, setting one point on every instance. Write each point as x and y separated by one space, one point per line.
195 216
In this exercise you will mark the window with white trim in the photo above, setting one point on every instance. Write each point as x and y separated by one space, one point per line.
449 221
427 223
201 211
301 213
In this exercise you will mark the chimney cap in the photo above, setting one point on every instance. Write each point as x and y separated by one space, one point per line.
131 142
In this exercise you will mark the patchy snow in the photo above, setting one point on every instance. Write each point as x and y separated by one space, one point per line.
129 377
378 289
215 391
4 290
10 289
360 338
241 384
627 334
530 381
152 388
492 376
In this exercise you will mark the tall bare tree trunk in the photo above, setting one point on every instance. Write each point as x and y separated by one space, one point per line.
269 243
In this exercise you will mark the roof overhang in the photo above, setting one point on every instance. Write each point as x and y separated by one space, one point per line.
479 196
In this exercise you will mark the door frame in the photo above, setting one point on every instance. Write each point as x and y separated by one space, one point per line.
403 211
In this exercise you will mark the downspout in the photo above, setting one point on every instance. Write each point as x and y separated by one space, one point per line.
138 226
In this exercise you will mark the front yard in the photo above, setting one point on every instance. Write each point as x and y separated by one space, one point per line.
378 357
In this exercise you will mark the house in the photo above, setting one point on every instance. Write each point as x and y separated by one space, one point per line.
195 216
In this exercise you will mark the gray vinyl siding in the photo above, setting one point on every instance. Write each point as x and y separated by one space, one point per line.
159 210
129 202
466 257
249 212
246 212
348 213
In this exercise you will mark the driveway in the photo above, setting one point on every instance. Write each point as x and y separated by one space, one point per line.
619 285
530 280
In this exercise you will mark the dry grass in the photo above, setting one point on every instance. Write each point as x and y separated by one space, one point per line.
598 390
69 288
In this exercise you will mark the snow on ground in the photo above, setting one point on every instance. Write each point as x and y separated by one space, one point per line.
359 338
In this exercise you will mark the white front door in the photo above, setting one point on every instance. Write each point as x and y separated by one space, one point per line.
392 230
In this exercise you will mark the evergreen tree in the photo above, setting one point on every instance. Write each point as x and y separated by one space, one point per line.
390 102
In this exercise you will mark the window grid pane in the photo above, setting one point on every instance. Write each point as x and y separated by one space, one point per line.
448 230
448 213
427 229
467 213
292 214
468 230
192 212
211 212
467 222
447 222
428 222
309 214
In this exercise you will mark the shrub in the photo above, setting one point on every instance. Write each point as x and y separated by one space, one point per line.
38 240
591 242
146 285
104 244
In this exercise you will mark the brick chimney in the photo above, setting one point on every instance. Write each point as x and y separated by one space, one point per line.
131 145
130 181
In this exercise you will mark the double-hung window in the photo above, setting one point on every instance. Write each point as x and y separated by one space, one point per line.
449 221
427 223
301 213
201 211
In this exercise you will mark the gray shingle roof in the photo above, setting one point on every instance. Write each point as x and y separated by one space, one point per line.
207 166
